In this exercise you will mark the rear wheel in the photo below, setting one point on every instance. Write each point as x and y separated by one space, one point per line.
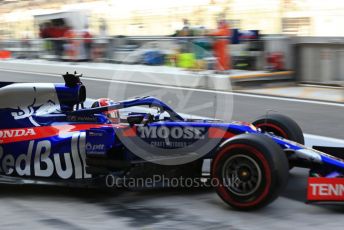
250 171
281 125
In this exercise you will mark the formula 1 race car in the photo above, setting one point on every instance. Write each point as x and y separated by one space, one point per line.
47 134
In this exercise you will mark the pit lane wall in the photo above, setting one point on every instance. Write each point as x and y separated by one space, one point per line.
163 75
120 72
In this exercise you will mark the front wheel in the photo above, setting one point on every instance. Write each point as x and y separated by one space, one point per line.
250 171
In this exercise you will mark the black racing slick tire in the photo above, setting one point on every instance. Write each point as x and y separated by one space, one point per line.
250 171
280 125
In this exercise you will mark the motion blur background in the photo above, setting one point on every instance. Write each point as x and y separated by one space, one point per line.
261 35
300 36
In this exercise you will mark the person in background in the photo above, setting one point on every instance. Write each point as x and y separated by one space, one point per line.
25 45
99 48
71 45
220 45
45 33
58 32
44 30
185 31
86 35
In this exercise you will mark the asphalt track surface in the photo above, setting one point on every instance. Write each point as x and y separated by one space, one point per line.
40 207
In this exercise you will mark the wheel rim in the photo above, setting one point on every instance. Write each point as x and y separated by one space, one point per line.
242 175
271 128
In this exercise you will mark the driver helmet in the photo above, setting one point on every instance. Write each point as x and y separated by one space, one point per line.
112 115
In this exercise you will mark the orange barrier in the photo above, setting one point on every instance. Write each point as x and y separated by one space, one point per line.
5 54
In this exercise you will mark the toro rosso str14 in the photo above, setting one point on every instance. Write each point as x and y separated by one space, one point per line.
48 135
